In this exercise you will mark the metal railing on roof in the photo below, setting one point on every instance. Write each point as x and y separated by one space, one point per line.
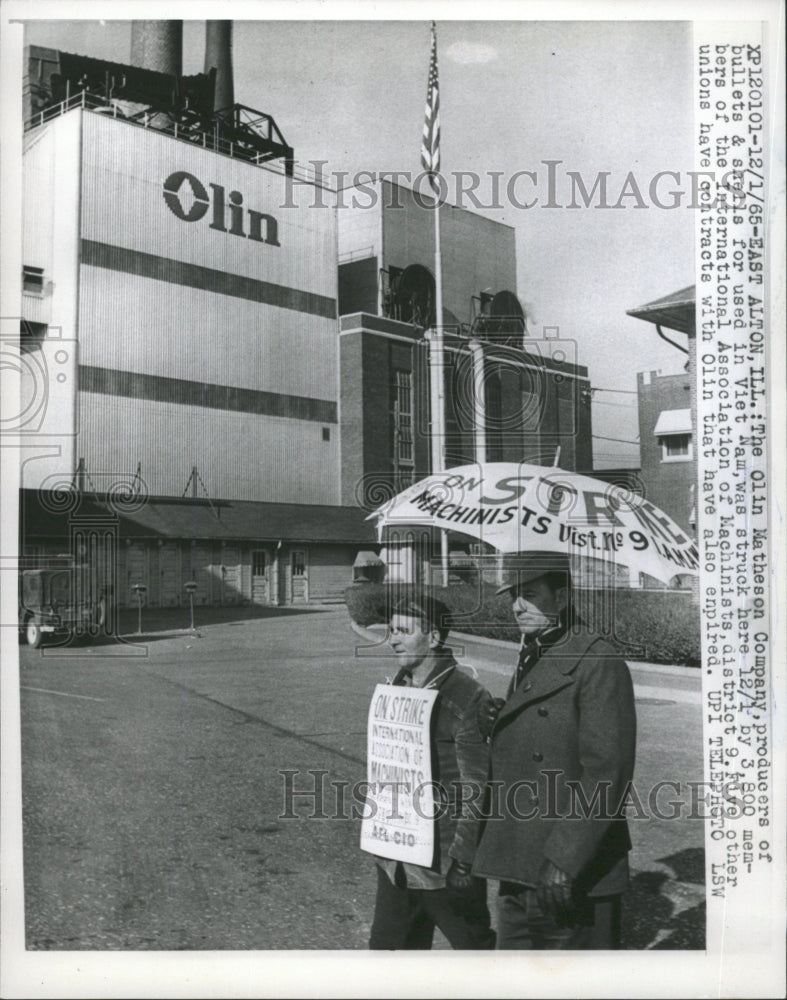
351 255
160 122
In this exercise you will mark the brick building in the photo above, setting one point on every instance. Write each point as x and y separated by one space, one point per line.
667 406
666 444
527 394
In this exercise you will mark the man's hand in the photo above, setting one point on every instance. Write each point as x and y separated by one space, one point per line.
459 877
554 894
488 710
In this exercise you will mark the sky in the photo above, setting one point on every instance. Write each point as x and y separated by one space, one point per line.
610 97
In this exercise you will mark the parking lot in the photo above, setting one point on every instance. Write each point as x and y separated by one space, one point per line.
153 789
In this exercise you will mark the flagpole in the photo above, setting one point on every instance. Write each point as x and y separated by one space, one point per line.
436 359
430 157
438 424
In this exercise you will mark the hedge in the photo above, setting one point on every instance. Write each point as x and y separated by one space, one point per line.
655 626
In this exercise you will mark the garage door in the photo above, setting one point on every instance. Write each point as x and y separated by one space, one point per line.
137 571
169 575
230 576
197 567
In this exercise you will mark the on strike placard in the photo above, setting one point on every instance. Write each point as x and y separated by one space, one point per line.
399 819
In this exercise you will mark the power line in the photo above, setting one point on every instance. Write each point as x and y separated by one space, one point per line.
627 392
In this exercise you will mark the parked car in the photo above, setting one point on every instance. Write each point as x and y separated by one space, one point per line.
65 599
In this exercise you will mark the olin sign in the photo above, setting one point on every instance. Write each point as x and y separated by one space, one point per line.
188 200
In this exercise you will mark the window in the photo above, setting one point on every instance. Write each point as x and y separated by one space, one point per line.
676 448
391 287
299 563
31 336
32 280
326 433
402 391
673 433
259 562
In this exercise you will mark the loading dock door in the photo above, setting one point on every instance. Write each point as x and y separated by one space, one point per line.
260 576
197 567
231 592
136 571
169 574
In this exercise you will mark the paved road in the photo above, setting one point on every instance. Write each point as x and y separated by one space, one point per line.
153 791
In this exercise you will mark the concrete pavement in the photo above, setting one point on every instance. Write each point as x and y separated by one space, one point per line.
152 779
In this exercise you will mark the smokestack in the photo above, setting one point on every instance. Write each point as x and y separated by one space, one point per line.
158 45
218 56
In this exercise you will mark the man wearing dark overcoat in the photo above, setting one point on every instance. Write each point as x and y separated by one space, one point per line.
562 756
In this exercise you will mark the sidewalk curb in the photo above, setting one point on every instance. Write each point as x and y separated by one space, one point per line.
163 634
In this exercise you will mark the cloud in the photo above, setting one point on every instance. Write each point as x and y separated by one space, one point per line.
467 53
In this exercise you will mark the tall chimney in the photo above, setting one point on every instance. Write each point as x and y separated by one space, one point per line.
158 45
218 56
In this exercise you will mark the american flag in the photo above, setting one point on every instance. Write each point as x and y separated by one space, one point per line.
430 147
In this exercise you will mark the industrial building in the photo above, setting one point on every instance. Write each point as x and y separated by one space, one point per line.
534 403
225 375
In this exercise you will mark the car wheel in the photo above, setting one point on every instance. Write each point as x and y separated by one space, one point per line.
33 633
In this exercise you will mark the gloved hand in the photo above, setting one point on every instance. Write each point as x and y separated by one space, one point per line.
554 894
458 877
488 710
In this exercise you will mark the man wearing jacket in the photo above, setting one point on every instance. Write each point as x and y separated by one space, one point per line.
412 900
562 755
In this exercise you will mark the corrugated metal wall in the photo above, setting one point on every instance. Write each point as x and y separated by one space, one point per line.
38 238
124 172
50 242
131 321
238 456
138 324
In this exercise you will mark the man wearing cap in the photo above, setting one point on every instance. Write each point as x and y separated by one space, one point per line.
413 899
562 755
